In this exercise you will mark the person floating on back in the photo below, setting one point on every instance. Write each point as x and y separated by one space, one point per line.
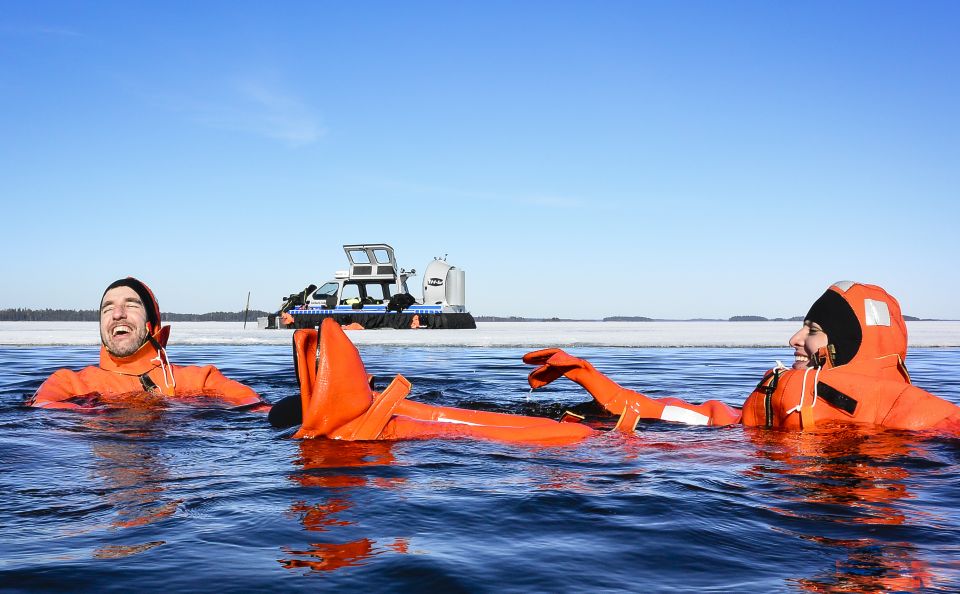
134 364
849 368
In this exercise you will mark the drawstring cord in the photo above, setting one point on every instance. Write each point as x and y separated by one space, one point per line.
816 382
803 388
162 359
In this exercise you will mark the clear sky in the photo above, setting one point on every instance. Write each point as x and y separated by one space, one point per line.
576 159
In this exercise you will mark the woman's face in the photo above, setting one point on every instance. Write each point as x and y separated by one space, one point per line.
806 343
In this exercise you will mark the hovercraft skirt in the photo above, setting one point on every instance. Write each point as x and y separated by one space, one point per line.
399 321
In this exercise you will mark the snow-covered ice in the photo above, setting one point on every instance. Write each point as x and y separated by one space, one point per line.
488 334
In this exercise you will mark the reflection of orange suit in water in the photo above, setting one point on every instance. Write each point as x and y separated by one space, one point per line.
323 465
838 487
146 372
859 378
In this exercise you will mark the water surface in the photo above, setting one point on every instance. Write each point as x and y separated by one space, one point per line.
216 500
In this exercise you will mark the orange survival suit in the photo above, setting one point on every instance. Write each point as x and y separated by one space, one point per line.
860 377
145 373
338 402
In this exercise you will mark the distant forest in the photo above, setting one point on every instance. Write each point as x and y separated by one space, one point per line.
520 319
92 315
636 319
644 319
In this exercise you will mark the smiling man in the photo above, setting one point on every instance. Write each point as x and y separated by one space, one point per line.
134 364
124 317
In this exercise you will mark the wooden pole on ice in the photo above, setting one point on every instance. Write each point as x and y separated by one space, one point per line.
245 310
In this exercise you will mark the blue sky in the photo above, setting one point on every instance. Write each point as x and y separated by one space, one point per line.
576 159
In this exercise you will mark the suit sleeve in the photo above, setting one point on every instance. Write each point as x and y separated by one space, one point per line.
631 406
917 409
218 385
57 389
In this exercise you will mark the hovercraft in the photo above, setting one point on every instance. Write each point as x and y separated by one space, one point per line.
372 293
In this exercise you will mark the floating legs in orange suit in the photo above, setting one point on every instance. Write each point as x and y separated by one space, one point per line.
338 402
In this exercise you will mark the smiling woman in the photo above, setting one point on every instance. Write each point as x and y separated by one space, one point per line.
133 362
807 341
849 367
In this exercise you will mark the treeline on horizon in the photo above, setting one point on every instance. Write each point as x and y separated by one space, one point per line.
645 319
92 315
637 319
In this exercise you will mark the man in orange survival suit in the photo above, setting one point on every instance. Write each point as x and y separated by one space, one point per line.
849 367
133 361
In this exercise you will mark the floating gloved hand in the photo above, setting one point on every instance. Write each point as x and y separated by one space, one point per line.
555 363
629 405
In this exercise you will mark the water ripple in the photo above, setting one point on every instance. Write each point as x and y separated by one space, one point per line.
210 499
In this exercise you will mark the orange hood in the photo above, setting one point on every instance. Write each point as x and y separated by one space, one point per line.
864 325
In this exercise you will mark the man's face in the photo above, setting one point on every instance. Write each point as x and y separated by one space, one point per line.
123 321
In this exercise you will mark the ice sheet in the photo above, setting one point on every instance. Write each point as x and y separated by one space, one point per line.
487 334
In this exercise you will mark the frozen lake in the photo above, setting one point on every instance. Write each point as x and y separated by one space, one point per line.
487 334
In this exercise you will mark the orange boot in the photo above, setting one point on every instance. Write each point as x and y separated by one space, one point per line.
338 402
629 405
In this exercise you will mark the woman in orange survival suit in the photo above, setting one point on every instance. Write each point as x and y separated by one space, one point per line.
849 367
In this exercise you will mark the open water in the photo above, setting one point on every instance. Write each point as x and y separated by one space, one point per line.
210 500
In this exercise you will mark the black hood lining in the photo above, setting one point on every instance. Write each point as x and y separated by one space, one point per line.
835 315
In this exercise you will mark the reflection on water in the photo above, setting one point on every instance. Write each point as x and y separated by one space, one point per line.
129 473
328 464
839 476
174 498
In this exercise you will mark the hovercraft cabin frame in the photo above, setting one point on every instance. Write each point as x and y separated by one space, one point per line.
373 293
